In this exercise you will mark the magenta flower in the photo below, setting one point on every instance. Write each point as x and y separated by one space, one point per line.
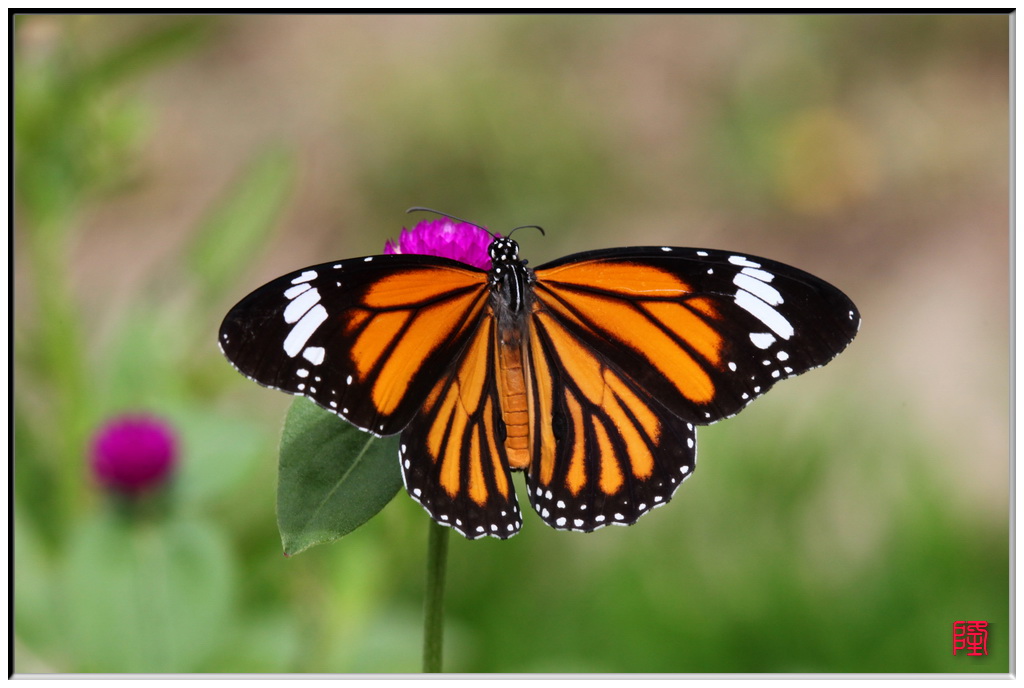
133 454
447 238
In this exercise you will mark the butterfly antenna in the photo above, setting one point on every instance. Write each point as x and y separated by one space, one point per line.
537 227
417 208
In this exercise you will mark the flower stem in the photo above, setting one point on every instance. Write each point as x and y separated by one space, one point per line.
433 621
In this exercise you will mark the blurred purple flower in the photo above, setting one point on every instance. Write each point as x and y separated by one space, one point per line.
132 454
447 238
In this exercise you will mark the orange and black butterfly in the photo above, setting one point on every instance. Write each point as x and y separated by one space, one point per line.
589 373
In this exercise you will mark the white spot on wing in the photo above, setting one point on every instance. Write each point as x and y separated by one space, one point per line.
292 292
305 277
761 290
765 313
762 340
746 262
314 354
297 308
762 275
304 329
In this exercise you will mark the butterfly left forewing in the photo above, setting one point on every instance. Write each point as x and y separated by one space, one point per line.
362 338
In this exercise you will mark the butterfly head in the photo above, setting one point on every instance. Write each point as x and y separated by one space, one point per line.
503 251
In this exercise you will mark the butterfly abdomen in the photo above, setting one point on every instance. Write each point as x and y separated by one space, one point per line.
515 405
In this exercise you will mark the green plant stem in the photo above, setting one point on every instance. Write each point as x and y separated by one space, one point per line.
58 344
433 615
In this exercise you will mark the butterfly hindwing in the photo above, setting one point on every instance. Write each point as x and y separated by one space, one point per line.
703 331
453 458
607 451
364 338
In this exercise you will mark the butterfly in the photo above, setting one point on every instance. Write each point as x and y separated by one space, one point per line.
590 373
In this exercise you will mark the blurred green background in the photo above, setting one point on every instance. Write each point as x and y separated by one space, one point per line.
166 166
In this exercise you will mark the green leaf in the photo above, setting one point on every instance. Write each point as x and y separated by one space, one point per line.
332 477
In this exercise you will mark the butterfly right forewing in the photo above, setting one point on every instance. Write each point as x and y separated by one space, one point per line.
704 331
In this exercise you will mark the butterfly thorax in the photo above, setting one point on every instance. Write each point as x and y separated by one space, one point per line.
510 281
509 276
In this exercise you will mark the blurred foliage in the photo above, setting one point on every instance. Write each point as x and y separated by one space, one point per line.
75 136
794 132
816 537
240 227
467 145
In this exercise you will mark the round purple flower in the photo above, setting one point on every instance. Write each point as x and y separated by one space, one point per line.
447 238
133 454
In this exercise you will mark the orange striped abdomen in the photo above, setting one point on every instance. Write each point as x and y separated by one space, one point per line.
515 405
